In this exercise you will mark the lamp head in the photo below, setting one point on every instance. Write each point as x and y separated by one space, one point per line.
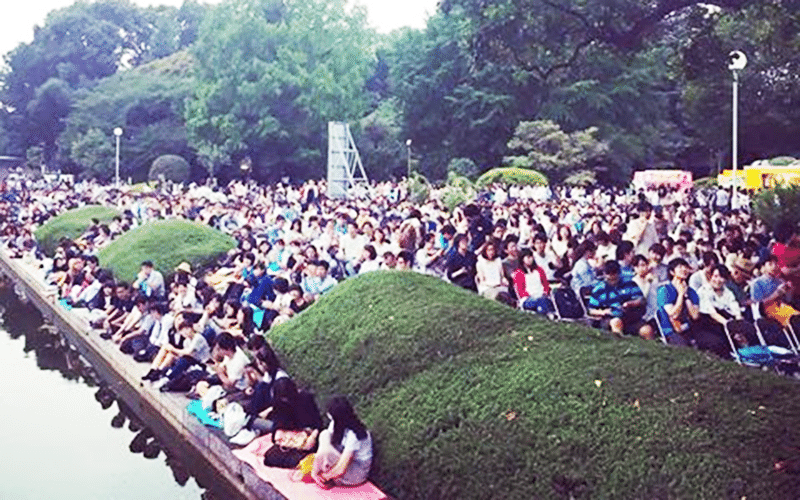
118 131
738 61
408 143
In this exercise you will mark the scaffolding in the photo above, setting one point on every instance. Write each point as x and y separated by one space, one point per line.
346 174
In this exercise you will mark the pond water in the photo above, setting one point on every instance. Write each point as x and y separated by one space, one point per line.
56 441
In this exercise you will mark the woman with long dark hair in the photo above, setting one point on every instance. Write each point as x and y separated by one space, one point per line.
344 456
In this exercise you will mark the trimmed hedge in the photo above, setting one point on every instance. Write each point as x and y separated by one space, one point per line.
469 399
71 224
166 243
511 175
172 167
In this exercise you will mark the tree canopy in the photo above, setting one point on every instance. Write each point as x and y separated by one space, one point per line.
259 79
271 74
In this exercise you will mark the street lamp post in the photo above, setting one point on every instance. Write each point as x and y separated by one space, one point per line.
408 154
738 63
118 134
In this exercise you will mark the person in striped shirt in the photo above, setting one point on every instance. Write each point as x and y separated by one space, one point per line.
618 303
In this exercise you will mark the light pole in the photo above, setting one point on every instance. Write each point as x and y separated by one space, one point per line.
118 134
738 63
408 154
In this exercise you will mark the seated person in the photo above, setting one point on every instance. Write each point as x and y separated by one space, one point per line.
230 363
172 361
489 272
618 303
290 409
531 286
770 291
149 281
132 321
344 456
122 305
461 264
678 304
718 305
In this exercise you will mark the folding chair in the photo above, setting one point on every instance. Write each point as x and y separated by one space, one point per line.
773 333
792 332
661 315
745 329
569 307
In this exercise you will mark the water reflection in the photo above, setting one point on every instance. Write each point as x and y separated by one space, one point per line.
23 322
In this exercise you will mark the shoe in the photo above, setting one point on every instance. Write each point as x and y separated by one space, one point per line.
106 335
150 375
243 437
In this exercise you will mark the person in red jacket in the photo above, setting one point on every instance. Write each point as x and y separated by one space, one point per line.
530 283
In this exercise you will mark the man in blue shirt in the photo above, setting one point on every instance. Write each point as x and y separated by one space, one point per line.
678 304
618 302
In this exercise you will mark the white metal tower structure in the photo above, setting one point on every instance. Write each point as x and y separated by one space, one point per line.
345 170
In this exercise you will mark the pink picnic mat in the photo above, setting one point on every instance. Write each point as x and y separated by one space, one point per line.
253 454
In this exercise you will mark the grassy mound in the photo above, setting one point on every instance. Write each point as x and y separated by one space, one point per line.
71 224
468 399
167 244
512 175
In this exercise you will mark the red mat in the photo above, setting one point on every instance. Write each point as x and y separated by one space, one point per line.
253 454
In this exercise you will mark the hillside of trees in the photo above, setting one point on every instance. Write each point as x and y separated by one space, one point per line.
563 86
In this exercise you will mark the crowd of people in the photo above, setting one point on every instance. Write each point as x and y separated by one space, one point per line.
657 263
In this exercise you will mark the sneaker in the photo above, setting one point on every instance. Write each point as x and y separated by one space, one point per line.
106 335
243 437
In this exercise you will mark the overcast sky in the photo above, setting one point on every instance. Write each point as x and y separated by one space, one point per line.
17 22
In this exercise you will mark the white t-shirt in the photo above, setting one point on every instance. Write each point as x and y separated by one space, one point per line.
234 367
362 449
710 300
492 271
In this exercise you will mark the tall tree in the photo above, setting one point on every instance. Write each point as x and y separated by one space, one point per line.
271 75
76 45
147 102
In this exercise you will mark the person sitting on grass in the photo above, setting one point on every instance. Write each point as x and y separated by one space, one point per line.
618 303
344 456
531 286
461 264
489 273
678 305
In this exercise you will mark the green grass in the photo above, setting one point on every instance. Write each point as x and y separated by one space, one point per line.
71 224
469 399
167 244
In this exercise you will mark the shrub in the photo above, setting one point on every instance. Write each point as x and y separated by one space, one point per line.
510 175
70 225
458 191
778 205
469 399
418 188
463 166
171 167
167 243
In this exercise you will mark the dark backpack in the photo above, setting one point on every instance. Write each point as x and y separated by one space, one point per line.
568 303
